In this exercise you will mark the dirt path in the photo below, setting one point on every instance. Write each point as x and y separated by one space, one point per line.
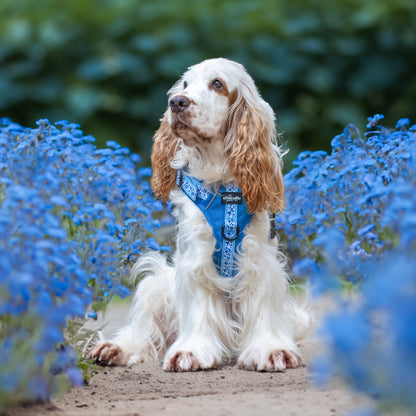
145 389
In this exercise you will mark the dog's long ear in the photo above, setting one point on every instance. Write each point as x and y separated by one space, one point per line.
254 156
164 146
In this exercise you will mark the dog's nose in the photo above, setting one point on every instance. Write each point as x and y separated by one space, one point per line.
179 103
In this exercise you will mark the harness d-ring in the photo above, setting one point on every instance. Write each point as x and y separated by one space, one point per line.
227 238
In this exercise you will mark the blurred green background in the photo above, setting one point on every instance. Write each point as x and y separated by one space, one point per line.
107 64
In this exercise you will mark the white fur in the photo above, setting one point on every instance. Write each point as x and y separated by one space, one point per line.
184 313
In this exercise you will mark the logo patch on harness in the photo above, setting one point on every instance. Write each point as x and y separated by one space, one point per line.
234 198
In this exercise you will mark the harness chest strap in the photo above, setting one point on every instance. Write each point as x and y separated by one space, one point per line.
226 213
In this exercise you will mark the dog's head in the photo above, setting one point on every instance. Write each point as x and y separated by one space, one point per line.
216 101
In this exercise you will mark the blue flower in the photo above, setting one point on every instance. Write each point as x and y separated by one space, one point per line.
402 124
66 228
350 221
373 121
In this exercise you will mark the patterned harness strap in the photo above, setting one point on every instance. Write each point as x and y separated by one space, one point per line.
226 213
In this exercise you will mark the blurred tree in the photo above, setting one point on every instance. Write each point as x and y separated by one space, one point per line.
108 64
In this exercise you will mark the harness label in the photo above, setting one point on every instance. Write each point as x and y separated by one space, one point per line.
231 198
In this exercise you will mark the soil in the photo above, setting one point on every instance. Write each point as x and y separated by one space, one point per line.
145 389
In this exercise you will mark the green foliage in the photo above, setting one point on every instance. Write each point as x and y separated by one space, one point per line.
108 64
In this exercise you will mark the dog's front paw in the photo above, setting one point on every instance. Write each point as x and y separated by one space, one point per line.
186 361
107 353
276 360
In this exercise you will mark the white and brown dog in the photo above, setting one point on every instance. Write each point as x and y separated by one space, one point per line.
225 295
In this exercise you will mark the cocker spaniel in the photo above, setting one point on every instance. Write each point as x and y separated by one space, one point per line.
224 296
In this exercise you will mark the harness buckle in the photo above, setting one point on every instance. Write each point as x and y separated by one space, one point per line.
179 178
273 231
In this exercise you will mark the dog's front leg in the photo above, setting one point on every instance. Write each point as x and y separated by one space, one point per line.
201 312
266 339
268 346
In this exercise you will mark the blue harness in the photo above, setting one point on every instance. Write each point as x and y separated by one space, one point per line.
227 214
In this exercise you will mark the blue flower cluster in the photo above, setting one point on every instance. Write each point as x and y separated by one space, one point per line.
351 221
71 218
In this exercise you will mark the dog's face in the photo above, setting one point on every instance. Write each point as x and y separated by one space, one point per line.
199 102
216 106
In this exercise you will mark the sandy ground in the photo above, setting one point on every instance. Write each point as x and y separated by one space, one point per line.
145 389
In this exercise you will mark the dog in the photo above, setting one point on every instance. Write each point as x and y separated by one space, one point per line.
224 296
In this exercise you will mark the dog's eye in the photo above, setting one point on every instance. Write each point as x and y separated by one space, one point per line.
218 85
185 84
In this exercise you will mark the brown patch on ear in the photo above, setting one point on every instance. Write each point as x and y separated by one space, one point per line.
232 97
253 160
164 147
